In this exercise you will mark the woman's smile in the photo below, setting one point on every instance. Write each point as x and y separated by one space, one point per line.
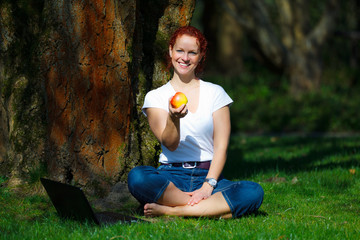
184 64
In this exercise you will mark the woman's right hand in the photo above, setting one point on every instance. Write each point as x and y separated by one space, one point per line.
179 112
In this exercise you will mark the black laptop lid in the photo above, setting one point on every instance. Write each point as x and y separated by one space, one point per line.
69 201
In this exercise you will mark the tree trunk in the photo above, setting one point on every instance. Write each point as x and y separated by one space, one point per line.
225 40
289 43
86 72
97 61
304 69
22 102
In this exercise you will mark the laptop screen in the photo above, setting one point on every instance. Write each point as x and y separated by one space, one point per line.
69 201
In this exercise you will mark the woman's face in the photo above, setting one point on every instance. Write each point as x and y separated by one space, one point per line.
185 55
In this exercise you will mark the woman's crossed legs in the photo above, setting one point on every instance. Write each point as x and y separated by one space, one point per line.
155 188
174 202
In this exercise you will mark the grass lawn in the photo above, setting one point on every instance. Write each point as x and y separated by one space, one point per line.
311 186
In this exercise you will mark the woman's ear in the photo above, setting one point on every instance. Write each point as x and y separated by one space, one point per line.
170 51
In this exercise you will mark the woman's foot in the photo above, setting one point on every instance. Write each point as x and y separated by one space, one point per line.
214 206
154 209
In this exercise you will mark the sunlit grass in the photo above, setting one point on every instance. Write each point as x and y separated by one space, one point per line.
311 192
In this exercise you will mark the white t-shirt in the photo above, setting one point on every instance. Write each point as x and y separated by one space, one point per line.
196 129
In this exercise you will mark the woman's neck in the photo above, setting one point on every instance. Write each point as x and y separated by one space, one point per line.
183 85
184 81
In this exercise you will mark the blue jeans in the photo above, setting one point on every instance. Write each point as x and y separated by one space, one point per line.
147 184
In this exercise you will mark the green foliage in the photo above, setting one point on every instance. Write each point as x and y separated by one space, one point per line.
262 103
311 187
4 192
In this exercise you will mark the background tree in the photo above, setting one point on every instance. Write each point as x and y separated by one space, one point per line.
225 37
348 33
287 36
266 96
73 78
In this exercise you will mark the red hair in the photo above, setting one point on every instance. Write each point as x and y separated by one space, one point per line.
201 40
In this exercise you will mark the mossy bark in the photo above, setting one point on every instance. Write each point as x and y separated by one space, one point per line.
22 111
73 79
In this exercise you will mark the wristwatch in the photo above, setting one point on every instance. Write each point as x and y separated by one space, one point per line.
211 181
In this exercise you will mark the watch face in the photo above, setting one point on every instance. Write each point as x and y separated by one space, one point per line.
212 182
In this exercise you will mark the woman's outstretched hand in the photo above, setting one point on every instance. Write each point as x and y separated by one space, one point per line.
201 194
179 112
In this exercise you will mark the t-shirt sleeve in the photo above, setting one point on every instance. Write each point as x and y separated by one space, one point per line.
154 99
221 98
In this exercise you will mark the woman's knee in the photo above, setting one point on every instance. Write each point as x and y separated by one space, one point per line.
137 176
146 184
253 192
246 197
257 195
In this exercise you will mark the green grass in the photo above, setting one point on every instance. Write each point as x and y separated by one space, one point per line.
311 189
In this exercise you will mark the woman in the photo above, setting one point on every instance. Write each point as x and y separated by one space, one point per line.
194 139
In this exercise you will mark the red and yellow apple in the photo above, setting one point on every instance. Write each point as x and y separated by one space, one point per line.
178 99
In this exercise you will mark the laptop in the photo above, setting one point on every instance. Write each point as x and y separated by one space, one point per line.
70 202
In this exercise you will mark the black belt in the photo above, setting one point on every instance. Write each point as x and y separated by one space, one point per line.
203 165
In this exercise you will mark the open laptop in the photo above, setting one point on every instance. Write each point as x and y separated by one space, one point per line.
70 202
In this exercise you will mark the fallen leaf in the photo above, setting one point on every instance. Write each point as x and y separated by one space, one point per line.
294 180
276 179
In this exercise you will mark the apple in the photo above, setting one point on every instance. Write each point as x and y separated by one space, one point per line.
178 99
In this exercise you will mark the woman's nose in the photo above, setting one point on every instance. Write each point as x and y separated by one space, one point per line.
185 57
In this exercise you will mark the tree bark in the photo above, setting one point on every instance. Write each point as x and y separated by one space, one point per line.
97 59
88 88
22 102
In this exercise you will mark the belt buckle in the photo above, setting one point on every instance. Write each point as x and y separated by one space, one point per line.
189 167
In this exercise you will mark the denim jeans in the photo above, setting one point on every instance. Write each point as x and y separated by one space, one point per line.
147 184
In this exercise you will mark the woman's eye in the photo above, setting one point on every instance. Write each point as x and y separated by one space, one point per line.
193 53
179 51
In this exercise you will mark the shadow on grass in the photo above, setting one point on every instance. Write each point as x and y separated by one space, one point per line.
254 155
258 213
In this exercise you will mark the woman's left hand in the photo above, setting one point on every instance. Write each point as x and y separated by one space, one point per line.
201 194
